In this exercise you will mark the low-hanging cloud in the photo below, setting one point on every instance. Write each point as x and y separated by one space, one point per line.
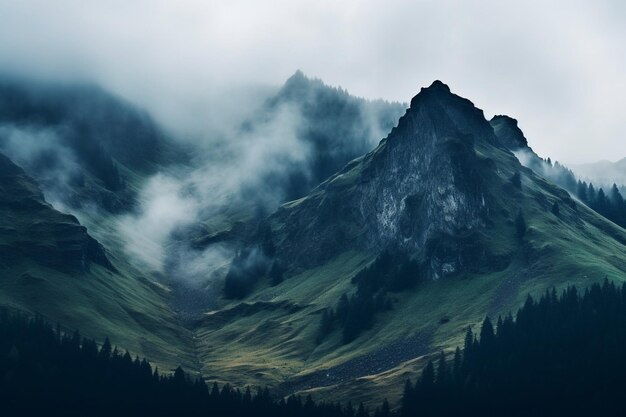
226 173
165 205
41 152
558 67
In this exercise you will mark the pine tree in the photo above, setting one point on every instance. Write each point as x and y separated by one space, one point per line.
457 366
326 325
591 195
385 410
106 349
428 376
442 370
487 335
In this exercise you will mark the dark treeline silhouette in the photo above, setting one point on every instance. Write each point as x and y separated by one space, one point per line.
562 356
44 371
611 205
390 272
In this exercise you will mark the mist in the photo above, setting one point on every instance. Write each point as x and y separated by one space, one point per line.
559 67
223 168
42 152
253 162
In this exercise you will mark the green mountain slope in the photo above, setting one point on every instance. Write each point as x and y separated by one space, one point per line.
49 265
440 189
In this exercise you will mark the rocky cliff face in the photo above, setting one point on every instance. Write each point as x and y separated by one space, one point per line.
31 229
420 191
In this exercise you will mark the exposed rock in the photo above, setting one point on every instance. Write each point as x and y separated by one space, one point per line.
420 191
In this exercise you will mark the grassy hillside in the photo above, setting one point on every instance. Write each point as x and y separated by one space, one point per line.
50 266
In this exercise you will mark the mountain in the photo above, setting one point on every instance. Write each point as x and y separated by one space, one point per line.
82 144
335 126
330 128
385 255
51 266
83 148
422 185
445 199
604 173
314 130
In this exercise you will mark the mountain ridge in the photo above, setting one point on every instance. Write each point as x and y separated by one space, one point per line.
474 258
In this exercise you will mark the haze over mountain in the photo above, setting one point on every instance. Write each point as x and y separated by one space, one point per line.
603 172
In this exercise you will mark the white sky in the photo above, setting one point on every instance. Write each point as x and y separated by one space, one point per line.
559 67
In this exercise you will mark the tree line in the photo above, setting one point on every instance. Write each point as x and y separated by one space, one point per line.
611 205
389 272
45 371
561 356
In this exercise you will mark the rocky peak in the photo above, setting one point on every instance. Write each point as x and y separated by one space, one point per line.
449 113
417 192
509 134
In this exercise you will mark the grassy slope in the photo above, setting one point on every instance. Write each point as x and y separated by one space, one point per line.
125 306
576 248
129 310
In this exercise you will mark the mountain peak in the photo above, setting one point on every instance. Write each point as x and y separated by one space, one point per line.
508 132
437 88
296 82
438 85
425 180
297 76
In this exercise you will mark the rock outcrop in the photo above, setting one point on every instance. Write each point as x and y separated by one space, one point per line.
420 191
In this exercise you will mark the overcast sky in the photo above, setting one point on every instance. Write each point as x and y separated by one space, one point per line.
559 67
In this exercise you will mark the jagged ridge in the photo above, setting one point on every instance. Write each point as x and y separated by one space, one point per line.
420 191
